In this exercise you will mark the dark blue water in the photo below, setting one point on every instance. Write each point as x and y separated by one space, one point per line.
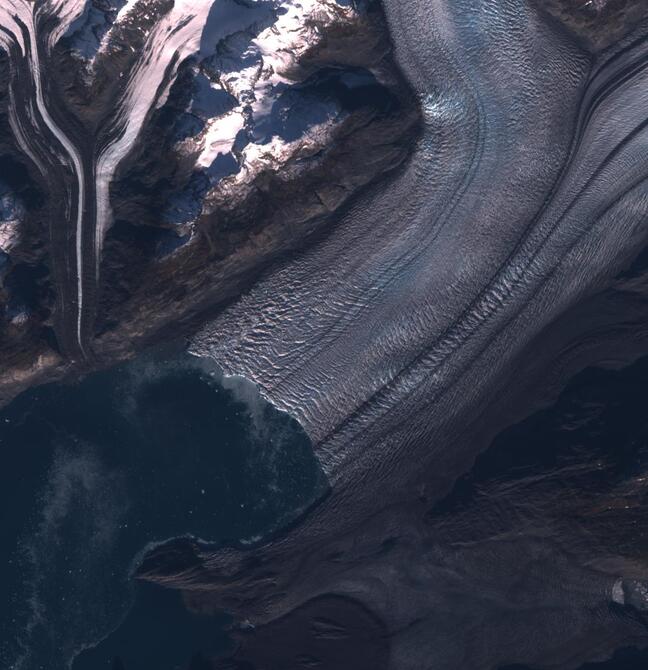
159 633
96 473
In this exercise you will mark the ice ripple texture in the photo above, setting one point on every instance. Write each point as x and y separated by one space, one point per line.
429 302
526 193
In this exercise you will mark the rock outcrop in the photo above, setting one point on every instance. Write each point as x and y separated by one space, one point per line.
194 173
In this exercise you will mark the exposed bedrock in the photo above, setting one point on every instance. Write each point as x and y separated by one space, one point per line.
596 23
289 145
181 148
442 307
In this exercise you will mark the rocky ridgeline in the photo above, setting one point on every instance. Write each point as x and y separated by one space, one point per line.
282 112
599 23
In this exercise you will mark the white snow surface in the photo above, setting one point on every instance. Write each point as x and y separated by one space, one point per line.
279 31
